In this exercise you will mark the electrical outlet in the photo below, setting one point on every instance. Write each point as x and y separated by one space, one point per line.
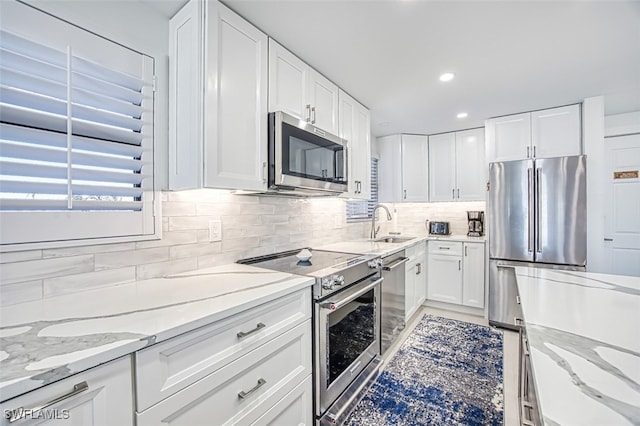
215 230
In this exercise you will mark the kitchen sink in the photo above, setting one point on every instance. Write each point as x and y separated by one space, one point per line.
393 239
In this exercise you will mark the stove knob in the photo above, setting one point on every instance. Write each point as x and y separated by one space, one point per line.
338 279
327 283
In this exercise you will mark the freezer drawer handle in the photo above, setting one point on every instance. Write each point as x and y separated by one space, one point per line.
243 334
243 394
21 412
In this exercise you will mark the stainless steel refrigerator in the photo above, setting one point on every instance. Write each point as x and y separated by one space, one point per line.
537 217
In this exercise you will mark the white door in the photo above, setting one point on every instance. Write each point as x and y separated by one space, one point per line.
442 167
445 278
288 81
473 275
509 138
410 302
415 168
471 169
390 169
362 163
622 224
347 107
323 97
236 106
421 279
556 132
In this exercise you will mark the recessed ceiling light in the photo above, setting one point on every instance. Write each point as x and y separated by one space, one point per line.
462 115
447 76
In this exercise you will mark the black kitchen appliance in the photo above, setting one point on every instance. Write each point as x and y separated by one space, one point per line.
476 223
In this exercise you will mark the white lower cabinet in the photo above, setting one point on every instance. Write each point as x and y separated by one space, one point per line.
100 396
456 273
251 365
296 408
242 391
473 275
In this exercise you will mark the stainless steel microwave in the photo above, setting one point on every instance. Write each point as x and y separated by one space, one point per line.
303 159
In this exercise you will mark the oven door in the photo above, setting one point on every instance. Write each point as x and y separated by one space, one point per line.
304 156
347 338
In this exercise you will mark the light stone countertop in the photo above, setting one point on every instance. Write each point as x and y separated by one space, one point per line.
50 339
585 345
366 246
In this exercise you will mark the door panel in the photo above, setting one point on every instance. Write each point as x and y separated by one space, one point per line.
561 218
288 80
415 161
556 132
509 138
508 211
622 225
470 165
442 167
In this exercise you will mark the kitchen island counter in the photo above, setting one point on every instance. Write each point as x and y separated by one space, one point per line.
367 246
47 340
584 343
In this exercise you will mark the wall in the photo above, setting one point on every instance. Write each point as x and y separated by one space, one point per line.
251 226
409 218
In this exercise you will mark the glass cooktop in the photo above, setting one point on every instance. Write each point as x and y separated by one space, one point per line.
320 260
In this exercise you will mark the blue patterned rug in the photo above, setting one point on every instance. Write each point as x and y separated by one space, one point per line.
447 372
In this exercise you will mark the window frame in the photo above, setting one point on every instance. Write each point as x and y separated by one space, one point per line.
86 227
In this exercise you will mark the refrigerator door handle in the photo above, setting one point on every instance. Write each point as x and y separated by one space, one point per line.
538 213
530 203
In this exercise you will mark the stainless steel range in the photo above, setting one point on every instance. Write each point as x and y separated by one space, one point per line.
346 324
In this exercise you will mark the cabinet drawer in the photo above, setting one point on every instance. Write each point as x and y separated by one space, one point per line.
170 366
243 390
415 251
294 409
453 248
107 399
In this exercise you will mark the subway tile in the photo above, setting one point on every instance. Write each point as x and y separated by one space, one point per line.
238 244
20 256
12 294
178 208
46 268
131 258
194 250
173 238
87 281
269 219
275 239
218 209
182 223
161 269
230 232
237 221
219 259
94 249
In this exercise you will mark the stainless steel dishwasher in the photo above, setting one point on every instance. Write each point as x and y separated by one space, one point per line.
393 295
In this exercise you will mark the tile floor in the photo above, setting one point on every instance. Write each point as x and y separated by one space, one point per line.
511 415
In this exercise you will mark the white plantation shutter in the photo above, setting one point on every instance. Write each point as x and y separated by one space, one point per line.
364 209
76 137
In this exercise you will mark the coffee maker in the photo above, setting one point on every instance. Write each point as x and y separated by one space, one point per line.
476 223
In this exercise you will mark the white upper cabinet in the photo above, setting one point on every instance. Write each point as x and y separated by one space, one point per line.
403 168
470 165
235 102
509 138
390 168
355 128
288 82
556 132
442 167
415 163
299 90
218 100
547 133
456 166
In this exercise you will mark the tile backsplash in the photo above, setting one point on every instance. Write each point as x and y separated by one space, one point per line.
251 226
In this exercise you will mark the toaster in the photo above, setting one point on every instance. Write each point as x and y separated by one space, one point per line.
439 228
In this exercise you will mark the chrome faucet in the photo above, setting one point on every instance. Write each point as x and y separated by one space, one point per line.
374 230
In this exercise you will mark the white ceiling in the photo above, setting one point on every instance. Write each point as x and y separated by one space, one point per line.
508 56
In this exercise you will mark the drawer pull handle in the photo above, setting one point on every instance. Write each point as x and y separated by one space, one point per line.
444 248
243 394
242 334
21 412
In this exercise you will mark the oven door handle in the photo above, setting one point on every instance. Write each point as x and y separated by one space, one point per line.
395 264
335 305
